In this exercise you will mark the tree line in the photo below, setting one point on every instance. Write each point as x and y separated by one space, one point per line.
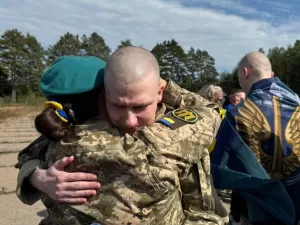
23 60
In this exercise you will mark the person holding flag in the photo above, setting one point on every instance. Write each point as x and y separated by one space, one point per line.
257 152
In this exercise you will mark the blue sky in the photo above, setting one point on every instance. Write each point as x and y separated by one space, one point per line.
227 29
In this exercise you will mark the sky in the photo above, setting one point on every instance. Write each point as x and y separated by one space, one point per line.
227 29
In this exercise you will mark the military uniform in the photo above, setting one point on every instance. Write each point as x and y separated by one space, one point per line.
159 175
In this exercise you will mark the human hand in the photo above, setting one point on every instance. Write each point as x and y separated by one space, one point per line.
65 187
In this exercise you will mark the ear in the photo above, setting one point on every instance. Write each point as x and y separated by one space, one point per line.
246 72
160 94
162 83
272 74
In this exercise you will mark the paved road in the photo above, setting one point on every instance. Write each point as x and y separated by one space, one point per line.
15 134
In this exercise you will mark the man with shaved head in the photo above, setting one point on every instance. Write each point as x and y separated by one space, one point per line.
268 122
151 154
252 68
132 86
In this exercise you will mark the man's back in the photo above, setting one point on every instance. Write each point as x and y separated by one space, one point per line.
128 181
268 122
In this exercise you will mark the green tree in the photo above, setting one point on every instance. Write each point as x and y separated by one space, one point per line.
68 44
21 62
95 46
13 51
171 58
292 63
125 43
207 72
277 58
34 66
229 81
5 86
261 50
201 67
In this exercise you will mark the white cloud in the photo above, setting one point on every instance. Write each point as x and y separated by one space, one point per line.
225 37
225 4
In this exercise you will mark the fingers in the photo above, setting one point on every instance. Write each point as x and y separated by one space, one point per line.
76 194
62 163
72 200
70 177
82 185
74 197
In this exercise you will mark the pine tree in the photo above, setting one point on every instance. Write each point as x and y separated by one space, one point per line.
35 62
125 43
95 46
13 59
68 44
171 58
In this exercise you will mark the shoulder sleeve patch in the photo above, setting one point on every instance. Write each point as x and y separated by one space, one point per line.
179 117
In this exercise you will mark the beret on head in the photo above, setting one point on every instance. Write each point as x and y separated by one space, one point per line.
70 75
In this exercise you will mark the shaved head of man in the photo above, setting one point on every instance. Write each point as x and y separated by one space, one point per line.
253 67
132 88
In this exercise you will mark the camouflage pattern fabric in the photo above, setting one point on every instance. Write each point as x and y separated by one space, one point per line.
29 159
36 150
156 176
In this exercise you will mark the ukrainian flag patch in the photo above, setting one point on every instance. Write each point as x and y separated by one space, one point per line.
179 117
167 121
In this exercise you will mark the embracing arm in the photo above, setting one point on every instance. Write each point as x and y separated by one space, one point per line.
178 97
29 159
199 199
35 178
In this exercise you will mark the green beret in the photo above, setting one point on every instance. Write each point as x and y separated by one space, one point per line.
69 75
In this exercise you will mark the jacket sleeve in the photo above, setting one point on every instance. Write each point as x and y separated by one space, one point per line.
200 204
29 159
178 97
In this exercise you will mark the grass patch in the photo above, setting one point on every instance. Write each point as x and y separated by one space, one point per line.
19 110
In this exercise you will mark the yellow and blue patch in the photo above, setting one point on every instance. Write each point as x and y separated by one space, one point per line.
167 121
179 117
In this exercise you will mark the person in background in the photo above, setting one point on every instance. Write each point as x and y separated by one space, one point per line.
234 99
257 148
214 94
273 110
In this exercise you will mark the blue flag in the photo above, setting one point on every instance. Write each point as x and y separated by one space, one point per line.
235 167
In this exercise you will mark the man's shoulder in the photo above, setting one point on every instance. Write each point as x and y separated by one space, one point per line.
187 124
186 117
93 132
184 134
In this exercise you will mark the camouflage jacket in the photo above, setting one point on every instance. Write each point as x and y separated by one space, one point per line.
160 175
